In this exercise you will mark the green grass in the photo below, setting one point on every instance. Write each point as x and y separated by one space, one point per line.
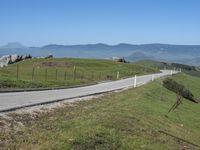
87 71
126 121
190 70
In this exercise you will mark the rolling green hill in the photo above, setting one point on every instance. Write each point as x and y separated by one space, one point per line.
133 119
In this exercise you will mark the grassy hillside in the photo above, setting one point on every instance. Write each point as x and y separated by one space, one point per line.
133 119
191 70
60 72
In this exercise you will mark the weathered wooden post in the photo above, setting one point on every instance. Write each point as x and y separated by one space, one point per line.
17 71
92 75
82 75
74 73
56 74
65 76
135 81
33 73
46 74
100 76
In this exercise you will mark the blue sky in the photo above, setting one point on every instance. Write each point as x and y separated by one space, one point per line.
41 22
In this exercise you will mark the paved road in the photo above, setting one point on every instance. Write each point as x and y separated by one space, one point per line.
15 100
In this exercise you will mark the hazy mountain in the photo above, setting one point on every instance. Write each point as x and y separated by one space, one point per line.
13 45
192 61
136 56
176 53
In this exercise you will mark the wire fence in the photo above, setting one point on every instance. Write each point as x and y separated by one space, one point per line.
18 72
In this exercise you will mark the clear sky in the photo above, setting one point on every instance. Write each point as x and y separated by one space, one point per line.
41 22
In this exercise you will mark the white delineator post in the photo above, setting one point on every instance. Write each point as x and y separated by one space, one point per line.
171 72
152 77
135 81
118 75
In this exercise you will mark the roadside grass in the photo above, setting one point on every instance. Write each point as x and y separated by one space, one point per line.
191 82
126 120
54 72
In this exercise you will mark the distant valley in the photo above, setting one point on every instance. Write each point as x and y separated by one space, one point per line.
186 54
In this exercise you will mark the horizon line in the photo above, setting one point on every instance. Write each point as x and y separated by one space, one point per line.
99 43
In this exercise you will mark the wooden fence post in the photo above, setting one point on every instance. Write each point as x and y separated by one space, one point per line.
65 75
17 71
82 75
56 74
92 75
33 72
100 76
45 74
74 72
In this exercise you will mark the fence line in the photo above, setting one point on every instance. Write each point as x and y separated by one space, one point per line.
51 74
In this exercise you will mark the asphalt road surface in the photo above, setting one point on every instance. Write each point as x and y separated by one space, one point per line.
16 100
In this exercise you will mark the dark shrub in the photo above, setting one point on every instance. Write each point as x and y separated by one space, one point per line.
178 89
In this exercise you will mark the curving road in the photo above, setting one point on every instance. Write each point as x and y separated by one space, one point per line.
16 100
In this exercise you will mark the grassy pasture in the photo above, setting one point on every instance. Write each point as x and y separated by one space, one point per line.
128 120
36 73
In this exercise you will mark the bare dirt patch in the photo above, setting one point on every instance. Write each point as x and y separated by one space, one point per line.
53 64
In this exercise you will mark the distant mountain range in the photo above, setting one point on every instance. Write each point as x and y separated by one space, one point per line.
188 54
12 45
